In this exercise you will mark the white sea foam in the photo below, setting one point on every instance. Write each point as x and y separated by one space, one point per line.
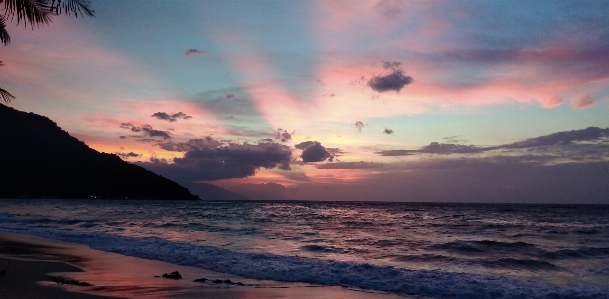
364 246
434 284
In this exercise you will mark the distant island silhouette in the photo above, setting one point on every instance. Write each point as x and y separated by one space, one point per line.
40 160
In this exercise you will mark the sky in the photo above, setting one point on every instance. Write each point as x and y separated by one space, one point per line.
382 100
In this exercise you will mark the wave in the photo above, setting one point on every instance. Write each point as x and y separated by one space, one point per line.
485 246
582 252
426 283
518 264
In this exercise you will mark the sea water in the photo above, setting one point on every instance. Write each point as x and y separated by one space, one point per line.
435 250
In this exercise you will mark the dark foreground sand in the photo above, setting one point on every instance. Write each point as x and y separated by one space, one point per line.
29 260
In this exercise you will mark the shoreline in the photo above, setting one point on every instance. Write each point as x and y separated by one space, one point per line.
29 260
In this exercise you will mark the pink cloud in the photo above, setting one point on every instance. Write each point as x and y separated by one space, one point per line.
583 102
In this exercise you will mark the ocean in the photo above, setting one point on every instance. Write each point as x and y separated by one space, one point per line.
435 250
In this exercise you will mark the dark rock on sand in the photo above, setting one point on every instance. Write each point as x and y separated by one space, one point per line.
226 281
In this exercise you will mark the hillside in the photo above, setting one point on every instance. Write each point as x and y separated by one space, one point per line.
39 159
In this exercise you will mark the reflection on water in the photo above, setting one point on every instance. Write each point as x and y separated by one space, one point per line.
558 244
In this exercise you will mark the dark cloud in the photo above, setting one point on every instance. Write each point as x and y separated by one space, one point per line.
315 152
498 180
148 131
171 117
335 152
145 139
392 65
392 153
350 165
206 142
228 95
583 102
448 148
155 133
128 155
209 159
304 145
590 134
122 137
194 51
359 125
156 160
565 137
388 131
454 139
283 135
394 81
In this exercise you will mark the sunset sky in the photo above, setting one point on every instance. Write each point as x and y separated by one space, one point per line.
334 100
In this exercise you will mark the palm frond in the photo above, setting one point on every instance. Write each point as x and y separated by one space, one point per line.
69 7
6 96
35 12
5 38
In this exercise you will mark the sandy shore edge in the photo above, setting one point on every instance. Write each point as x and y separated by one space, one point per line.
29 260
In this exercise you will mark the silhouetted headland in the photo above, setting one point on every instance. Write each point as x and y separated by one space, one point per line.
38 159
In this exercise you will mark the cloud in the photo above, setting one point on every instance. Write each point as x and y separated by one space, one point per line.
350 165
583 102
128 155
560 138
497 180
283 135
156 160
148 131
314 152
390 9
303 145
194 51
448 148
206 142
392 65
359 125
565 137
392 153
171 117
209 159
388 131
228 95
395 81
122 137
553 102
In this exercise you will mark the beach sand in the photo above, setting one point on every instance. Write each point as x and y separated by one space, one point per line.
29 260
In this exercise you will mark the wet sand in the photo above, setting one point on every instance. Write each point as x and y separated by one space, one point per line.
30 260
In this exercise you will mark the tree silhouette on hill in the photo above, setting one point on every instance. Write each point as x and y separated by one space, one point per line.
36 13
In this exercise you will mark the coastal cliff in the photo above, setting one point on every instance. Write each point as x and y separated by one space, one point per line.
39 159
